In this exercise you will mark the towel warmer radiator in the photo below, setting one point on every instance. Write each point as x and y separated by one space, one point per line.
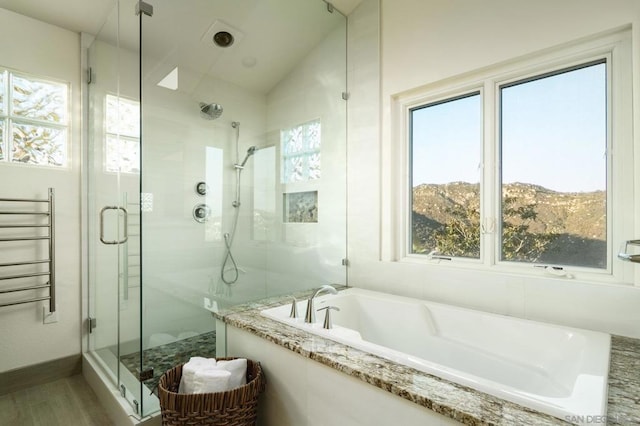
9 208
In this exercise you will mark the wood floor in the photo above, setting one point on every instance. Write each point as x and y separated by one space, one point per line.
64 402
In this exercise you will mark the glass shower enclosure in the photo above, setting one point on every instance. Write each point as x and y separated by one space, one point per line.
216 170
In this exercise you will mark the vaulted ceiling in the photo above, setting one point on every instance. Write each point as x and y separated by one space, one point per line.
271 35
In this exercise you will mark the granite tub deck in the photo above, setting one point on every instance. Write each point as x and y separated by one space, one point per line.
458 402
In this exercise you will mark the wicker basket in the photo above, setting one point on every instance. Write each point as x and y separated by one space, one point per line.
237 407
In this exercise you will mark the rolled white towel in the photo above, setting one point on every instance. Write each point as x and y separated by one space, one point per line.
211 380
189 369
238 370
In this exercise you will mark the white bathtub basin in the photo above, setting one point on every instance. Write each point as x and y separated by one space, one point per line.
557 370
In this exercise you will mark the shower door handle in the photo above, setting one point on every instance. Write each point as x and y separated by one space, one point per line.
126 233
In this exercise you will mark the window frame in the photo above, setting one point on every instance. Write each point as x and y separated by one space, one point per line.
557 69
438 99
615 48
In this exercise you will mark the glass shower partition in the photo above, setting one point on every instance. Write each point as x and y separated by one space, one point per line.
223 168
243 162
113 177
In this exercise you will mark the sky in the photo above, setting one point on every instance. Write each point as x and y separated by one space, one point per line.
553 134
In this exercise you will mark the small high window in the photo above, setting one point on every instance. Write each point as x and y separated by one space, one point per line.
122 145
301 152
33 120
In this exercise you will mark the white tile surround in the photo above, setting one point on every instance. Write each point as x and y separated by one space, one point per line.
303 392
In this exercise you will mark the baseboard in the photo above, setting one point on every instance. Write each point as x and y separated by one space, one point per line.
38 374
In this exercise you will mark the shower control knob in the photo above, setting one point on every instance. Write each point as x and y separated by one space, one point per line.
201 213
202 188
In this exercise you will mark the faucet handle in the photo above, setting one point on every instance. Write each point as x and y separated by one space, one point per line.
294 309
327 316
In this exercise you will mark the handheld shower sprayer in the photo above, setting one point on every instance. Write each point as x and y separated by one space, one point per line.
229 273
250 152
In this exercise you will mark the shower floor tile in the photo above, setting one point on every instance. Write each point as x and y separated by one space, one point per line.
165 357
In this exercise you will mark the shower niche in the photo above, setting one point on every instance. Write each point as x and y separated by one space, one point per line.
198 145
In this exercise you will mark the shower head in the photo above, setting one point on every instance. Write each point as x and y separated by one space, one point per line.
250 152
210 111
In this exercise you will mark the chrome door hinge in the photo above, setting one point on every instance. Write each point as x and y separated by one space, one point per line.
146 8
346 96
91 324
90 75
345 262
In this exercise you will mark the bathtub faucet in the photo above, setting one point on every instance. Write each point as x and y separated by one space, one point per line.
310 316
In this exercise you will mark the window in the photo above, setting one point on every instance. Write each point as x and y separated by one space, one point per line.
122 145
301 152
33 120
445 178
515 167
553 167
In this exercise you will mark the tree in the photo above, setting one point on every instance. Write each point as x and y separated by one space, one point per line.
460 235
518 244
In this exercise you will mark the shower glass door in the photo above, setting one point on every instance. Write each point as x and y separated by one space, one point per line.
243 182
113 182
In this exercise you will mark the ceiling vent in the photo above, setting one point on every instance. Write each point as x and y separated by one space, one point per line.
221 34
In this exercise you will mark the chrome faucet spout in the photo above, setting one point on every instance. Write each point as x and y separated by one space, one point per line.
310 315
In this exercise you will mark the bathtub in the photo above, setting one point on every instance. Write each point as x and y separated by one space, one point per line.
556 370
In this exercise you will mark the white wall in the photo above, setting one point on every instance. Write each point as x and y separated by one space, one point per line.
363 128
44 50
424 42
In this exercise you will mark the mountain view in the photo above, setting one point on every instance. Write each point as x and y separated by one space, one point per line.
540 225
